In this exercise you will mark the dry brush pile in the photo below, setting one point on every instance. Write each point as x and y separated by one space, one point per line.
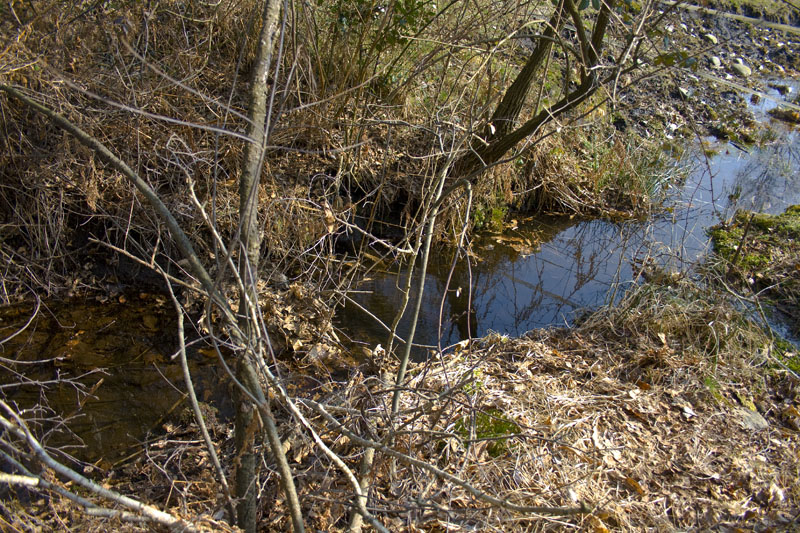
364 116
665 413
498 434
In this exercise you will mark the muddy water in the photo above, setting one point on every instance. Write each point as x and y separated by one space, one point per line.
546 272
107 367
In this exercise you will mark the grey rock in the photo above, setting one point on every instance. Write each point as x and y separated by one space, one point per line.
716 62
750 419
277 280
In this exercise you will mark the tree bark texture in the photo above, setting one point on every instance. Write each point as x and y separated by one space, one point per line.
509 108
250 240
505 137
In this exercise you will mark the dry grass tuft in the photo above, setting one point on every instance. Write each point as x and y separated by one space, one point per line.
365 118
665 413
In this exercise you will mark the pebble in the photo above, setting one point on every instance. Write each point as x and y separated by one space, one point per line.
716 62
741 69
710 37
750 419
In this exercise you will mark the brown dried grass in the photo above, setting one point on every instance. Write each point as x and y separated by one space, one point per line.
637 414
345 123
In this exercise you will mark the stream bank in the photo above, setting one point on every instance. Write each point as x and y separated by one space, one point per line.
549 271
669 398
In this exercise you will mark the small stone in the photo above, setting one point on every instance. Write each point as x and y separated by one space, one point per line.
741 69
710 37
684 27
750 419
278 280
684 93
716 62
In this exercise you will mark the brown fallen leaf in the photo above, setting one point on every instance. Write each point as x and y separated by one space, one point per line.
633 484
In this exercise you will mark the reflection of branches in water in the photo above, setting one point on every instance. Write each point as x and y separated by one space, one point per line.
769 174
500 295
583 264
717 186
575 269
593 253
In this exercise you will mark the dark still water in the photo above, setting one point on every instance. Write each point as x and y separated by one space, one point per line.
107 369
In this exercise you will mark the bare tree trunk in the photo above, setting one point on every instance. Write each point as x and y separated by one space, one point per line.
509 108
504 137
250 239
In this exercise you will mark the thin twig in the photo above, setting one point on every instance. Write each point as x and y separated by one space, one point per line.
198 414
20 429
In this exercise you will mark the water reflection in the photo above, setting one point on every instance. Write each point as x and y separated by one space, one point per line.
107 368
577 264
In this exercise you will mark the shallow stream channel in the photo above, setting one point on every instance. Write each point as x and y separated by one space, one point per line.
548 271
538 273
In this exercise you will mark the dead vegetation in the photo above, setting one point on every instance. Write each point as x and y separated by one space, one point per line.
667 412
644 413
355 128
627 423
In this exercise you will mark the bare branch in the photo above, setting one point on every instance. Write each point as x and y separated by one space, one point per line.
525 509
20 429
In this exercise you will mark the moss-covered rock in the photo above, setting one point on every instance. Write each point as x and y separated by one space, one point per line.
763 251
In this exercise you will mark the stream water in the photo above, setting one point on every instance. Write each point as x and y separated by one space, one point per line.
541 273
545 272
105 367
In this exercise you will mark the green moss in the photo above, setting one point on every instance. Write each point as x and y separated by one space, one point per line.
787 353
713 387
786 224
727 242
793 363
491 425
475 385
762 251
782 345
489 217
764 234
